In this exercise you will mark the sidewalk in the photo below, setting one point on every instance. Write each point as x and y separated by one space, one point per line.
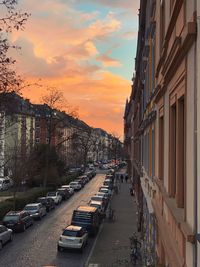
112 248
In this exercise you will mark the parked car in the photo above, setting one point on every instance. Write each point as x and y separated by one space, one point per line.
81 182
18 221
6 235
89 174
76 185
99 205
103 194
100 198
64 193
88 218
5 183
109 183
105 190
73 237
85 178
55 196
71 189
36 210
47 202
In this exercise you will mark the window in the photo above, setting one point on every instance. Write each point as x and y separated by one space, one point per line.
177 152
162 24
172 152
153 152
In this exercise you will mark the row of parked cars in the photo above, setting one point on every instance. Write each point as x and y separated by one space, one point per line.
87 219
18 221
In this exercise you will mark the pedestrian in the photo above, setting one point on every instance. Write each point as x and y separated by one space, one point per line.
126 177
122 178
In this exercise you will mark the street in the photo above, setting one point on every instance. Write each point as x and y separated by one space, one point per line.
37 246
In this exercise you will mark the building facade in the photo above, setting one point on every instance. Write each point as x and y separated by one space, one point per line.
160 131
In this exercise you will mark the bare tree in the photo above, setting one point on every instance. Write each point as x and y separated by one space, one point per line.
12 20
115 146
56 120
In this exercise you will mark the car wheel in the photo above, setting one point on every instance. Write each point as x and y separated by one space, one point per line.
60 249
11 238
1 245
82 248
23 228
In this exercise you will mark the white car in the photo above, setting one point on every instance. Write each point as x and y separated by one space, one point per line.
73 237
98 205
70 189
105 190
55 196
5 235
75 185
36 210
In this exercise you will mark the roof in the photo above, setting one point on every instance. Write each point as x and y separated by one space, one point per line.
73 228
14 212
96 202
32 204
86 208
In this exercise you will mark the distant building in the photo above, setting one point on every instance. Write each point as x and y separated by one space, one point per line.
17 131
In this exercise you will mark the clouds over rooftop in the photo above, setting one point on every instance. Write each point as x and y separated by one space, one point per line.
74 49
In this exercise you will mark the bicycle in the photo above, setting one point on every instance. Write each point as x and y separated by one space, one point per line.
135 256
135 249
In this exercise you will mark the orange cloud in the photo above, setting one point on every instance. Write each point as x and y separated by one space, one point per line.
108 61
61 45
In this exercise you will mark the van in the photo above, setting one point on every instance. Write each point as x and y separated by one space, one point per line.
88 218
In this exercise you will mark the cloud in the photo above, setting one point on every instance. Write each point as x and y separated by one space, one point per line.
63 46
107 61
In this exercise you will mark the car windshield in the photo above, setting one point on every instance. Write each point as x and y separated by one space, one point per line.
51 194
95 205
97 198
31 208
42 200
72 233
11 218
73 183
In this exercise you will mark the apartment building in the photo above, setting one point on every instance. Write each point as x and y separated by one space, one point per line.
160 131
17 129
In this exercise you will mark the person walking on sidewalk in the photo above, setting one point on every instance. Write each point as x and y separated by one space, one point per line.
126 177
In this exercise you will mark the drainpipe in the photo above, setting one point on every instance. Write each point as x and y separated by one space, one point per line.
195 145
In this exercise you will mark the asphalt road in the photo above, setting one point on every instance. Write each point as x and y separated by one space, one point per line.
37 246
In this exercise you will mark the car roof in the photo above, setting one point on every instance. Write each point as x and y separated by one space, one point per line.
73 228
15 212
86 208
96 202
32 204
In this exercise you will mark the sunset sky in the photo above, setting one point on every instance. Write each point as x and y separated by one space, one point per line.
85 48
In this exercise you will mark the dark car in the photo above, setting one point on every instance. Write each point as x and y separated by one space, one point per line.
18 221
88 218
80 181
47 202
64 192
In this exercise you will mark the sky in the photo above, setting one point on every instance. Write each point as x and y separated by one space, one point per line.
84 48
